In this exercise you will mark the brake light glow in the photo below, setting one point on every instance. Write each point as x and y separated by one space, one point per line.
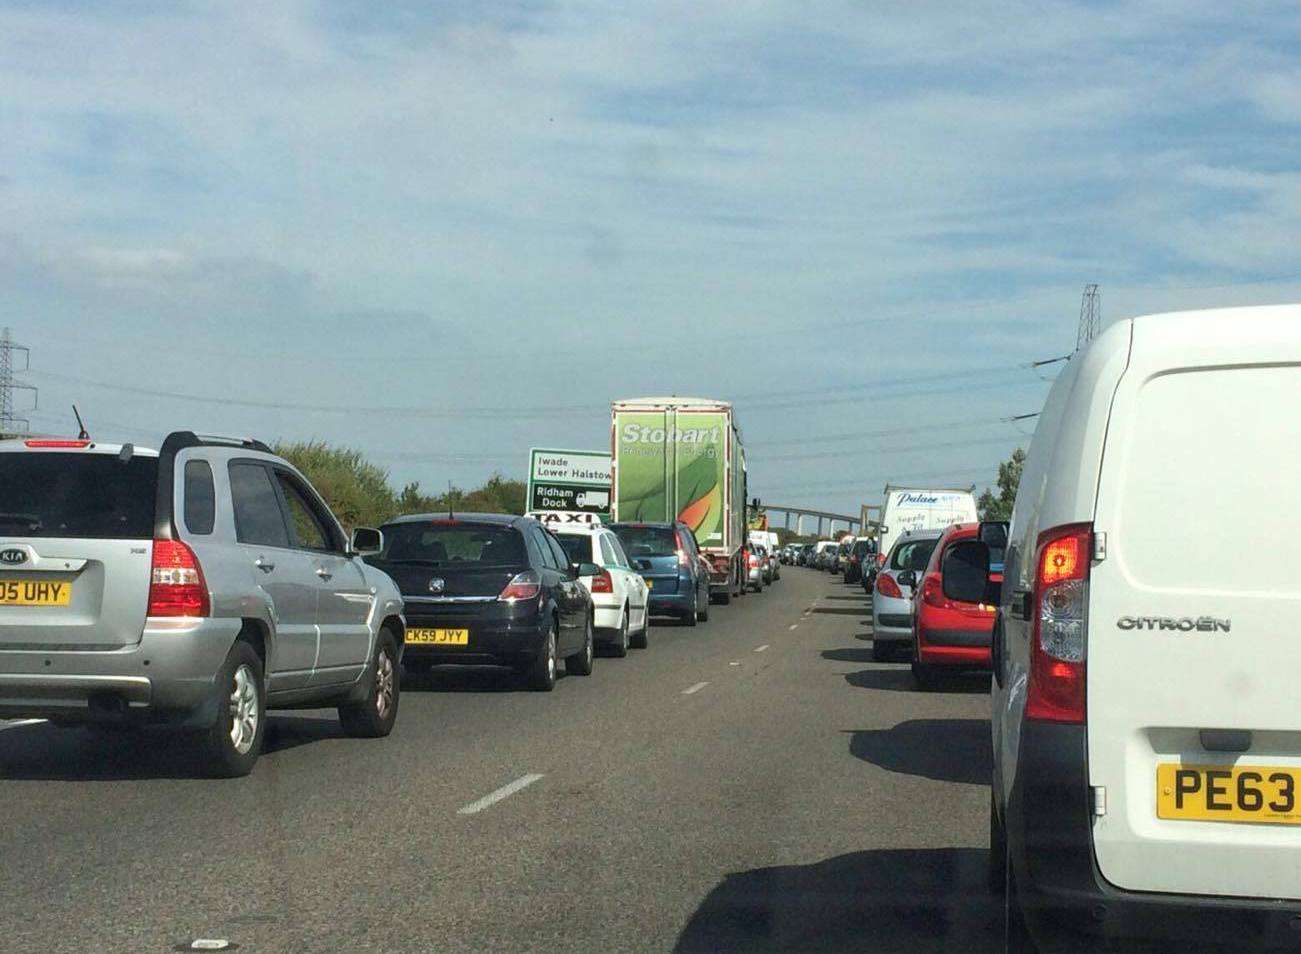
525 586
752 559
176 584
603 582
886 586
933 592
1057 652
56 443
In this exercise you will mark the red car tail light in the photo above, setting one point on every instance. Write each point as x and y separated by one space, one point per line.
933 592
752 559
1057 648
176 584
525 586
886 586
603 582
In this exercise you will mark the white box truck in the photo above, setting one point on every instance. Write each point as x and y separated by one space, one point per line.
908 508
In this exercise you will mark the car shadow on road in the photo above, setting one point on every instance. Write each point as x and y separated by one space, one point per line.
47 753
854 655
842 610
465 679
895 900
946 750
856 599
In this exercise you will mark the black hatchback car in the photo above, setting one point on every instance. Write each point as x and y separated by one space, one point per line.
489 589
667 557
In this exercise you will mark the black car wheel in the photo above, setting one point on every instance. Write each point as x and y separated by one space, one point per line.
580 664
642 637
541 673
703 612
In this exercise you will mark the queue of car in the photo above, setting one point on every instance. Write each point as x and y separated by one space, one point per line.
202 584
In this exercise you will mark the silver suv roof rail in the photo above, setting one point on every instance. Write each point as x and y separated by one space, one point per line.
177 441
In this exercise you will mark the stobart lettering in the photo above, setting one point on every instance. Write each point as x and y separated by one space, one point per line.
645 434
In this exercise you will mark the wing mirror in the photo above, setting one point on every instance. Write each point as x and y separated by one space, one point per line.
965 571
366 540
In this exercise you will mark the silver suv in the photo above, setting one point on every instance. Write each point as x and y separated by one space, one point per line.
195 586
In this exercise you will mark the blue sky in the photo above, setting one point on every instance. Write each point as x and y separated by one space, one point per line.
859 221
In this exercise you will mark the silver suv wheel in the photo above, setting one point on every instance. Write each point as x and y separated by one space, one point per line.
244 709
383 684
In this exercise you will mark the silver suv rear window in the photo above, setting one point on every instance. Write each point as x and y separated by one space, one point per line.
77 494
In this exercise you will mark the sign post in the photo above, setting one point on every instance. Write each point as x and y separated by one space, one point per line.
574 481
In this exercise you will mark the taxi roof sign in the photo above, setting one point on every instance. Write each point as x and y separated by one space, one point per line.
568 518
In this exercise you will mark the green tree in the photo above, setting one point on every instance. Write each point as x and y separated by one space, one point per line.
357 491
999 507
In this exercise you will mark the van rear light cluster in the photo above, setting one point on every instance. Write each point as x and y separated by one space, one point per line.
176 584
886 586
1061 599
603 582
524 586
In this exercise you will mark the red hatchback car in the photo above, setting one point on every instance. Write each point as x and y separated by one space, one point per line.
949 634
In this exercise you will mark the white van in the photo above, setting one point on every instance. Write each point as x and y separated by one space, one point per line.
1146 730
920 509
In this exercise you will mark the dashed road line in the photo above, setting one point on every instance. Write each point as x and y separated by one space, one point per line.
492 798
19 723
794 625
761 648
734 664
696 688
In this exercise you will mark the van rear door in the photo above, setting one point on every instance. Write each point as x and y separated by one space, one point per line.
1193 650
76 532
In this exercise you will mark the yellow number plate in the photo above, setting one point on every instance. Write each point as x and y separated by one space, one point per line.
650 584
34 593
1242 793
439 637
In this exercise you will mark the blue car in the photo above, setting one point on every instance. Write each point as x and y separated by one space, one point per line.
667 557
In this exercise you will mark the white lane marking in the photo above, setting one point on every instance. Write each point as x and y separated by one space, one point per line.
506 791
793 625
762 648
19 724
696 688
734 664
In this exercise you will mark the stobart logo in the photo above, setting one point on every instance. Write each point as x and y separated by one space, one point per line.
645 434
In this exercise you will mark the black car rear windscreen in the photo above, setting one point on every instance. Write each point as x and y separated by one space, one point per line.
452 544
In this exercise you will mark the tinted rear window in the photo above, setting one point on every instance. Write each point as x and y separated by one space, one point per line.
467 545
577 549
647 541
88 496
913 555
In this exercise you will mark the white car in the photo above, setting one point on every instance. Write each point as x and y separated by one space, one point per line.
1146 736
619 594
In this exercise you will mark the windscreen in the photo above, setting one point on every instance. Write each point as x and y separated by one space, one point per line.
82 495
452 545
648 541
913 555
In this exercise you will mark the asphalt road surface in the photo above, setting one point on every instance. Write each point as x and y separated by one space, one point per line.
755 783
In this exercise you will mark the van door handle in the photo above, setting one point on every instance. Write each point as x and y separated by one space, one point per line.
323 573
263 565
